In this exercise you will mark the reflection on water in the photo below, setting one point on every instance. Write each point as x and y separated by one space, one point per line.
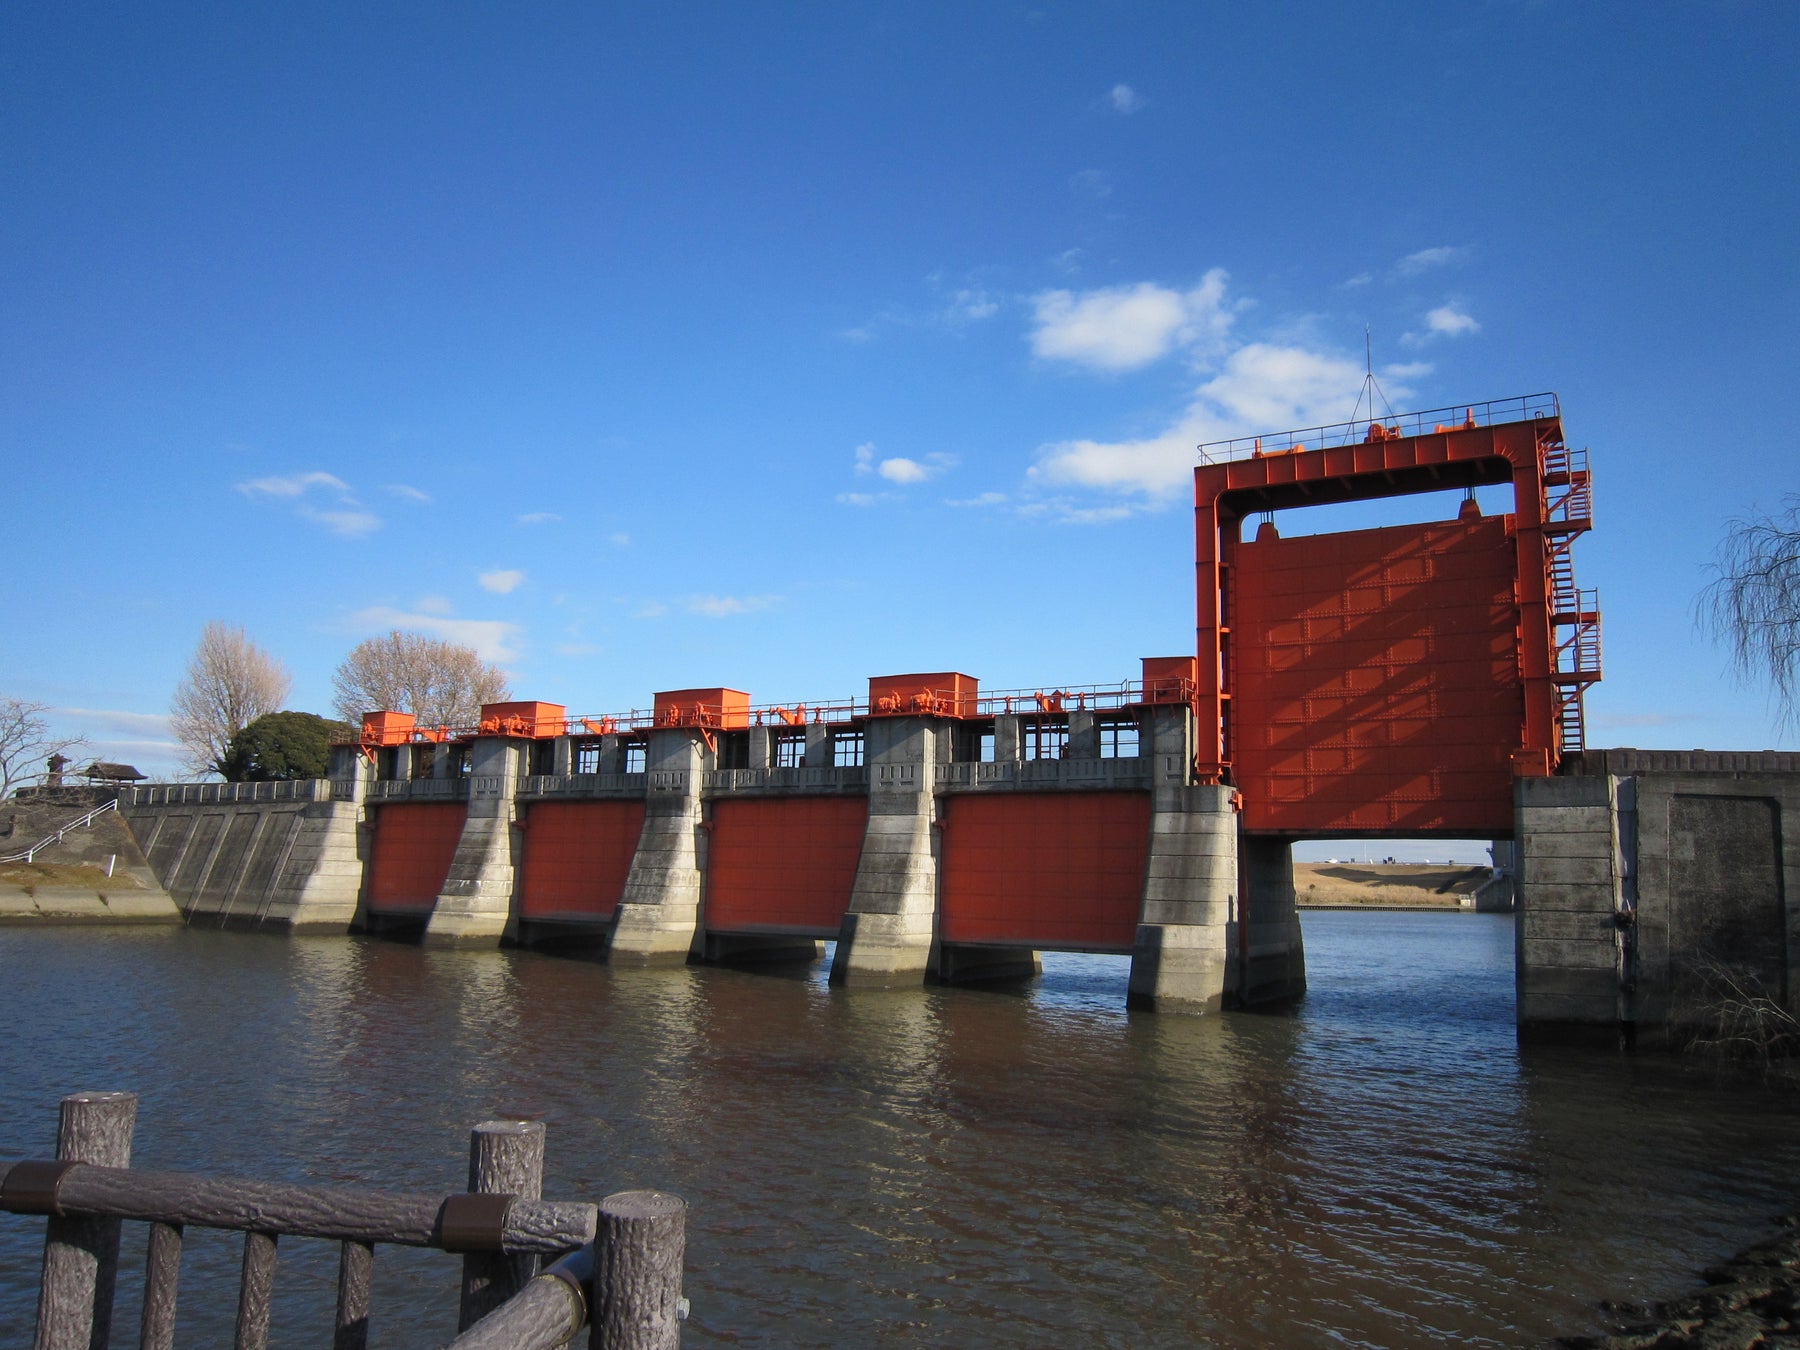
1021 1166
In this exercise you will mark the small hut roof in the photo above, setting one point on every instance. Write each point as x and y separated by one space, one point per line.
112 773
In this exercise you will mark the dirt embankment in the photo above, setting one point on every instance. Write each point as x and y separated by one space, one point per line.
1385 885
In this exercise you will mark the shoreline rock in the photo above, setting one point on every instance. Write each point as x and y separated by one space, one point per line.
1751 1302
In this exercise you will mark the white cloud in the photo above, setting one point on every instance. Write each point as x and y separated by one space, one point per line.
537 518
501 582
1450 321
899 469
349 518
409 494
726 606
861 498
1261 387
1360 279
650 609
434 604
1125 327
1407 370
294 485
1426 259
865 457
352 522
619 540
114 719
969 306
1125 99
1093 184
491 638
984 499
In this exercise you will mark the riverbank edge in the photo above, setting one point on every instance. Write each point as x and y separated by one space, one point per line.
59 906
1746 1301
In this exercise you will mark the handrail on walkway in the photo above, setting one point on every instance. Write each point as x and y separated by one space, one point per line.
50 840
623 1256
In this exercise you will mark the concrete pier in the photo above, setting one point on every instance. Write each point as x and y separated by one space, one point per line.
658 919
1181 958
475 905
887 933
1271 956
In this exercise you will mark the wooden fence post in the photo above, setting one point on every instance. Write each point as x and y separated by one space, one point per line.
637 1271
506 1157
81 1256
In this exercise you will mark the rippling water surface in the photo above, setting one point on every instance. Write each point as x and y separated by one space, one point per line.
1033 1166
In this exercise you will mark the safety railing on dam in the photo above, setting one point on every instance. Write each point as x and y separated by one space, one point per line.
206 794
1013 775
583 785
419 789
622 1258
820 778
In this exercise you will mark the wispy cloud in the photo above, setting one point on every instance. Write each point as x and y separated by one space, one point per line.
409 494
984 499
1444 321
121 721
728 606
619 539
293 485
351 521
1121 328
863 498
1428 258
348 517
537 518
501 582
492 639
1125 99
1094 184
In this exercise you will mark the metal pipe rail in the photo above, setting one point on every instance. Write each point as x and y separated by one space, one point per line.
1522 408
50 840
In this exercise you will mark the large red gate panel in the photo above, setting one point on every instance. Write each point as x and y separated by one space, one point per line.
1375 677
415 843
1051 869
577 857
783 864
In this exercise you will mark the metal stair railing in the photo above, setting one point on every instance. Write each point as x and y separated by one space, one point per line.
51 840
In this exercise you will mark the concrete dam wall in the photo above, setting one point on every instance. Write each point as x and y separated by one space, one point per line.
920 863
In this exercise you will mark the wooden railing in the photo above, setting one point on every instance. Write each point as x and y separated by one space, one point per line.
624 1256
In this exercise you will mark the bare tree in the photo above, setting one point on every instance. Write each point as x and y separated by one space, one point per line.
440 683
26 742
1753 601
230 683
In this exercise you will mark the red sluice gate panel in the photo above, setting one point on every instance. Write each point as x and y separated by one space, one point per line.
577 857
415 843
1044 869
1376 683
783 864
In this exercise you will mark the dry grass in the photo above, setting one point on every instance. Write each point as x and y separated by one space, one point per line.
1385 885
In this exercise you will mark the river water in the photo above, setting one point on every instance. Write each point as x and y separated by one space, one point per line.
1383 1166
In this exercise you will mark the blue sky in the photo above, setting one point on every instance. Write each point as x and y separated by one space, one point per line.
777 346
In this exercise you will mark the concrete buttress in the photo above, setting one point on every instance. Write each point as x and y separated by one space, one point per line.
888 930
659 912
476 902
